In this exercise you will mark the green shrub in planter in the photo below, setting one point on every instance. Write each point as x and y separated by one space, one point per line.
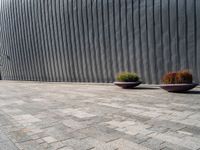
127 77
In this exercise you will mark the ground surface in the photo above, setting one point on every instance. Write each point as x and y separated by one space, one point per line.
40 116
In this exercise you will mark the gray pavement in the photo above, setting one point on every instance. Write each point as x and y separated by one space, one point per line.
67 116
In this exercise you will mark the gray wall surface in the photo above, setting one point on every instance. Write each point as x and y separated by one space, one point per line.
92 40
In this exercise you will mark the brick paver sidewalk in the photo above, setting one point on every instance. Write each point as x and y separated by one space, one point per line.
64 116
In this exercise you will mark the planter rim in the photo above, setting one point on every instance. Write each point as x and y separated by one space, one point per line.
118 82
181 84
176 88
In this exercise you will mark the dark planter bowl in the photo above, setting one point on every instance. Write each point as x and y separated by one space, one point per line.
127 85
178 87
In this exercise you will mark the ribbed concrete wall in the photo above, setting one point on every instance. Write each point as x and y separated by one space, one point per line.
92 40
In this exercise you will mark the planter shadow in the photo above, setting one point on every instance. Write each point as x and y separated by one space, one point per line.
191 92
146 88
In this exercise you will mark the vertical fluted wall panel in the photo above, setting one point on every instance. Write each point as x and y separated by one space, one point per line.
92 40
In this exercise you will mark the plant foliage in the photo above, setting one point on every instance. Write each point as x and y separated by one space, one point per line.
179 77
127 77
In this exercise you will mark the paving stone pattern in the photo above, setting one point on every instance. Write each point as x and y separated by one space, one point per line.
70 116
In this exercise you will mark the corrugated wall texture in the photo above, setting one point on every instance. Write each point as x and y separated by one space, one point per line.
92 40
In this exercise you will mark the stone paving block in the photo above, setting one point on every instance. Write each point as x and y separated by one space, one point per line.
34 131
184 133
19 136
4 121
49 139
77 144
31 145
57 145
7 145
189 122
19 102
39 141
42 134
12 110
26 118
153 144
18 145
77 113
159 129
77 135
143 107
45 146
66 148
174 126
105 129
59 131
121 124
39 99
96 117
34 137
162 105
100 135
3 137
127 145
11 128
134 111
166 148
192 129
98 145
74 124
133 129
170 146
187 143
180 115
139 138
138 118
114 105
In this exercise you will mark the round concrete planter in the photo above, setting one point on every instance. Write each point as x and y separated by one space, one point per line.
127 85
178 87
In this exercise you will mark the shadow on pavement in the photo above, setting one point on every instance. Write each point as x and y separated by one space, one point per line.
191 92
144 88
